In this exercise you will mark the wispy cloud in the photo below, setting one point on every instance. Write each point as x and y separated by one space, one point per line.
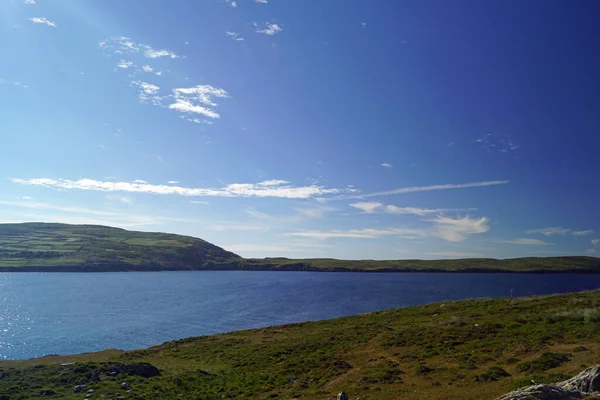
524 241
496 143
173 182
376 207
262 1
595 244
449 229
414 189
124 64
583 233
274 188
452 254
300 214
275 249
387 165
43 20
198 100
148 92
28 1
232 3
548 231
267 28
123 45
234 36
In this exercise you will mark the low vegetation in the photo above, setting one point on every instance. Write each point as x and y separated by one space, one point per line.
91 248
472 349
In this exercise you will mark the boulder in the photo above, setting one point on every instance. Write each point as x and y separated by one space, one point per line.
342 396
79 388
586 385
144 370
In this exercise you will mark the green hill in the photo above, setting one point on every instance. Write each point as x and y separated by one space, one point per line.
42 246
472 349
87 248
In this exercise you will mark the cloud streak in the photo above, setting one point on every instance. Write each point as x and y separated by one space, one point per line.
123 44
43 20
267 28
273 188
415 189
376 207
524 241
549 231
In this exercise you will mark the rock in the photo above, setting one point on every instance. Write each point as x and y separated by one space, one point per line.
342 396
585 385
125 385
91 391
47 392
542 392
587 381
95 376
144 370
79 388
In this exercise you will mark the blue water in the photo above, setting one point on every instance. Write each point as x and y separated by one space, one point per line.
64 313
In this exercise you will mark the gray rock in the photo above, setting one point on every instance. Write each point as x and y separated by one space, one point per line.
95 376
79 388
342 396
91 391
587 381
585 385
125 385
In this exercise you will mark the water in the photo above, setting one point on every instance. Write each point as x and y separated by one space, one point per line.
72 313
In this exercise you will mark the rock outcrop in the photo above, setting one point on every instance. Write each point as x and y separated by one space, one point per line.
586 385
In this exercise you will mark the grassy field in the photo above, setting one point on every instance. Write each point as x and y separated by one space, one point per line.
88 248
473 349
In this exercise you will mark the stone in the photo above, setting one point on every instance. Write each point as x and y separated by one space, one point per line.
144 370
342 396
587 381
79 388
95 376
585 385
91 391
125 385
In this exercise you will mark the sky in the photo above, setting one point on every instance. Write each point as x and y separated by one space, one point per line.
357 129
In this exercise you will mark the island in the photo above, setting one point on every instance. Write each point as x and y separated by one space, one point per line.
53 247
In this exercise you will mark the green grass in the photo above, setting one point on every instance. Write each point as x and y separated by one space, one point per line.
61 247
472 349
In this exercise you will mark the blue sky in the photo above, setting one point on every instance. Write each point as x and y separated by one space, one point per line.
356 129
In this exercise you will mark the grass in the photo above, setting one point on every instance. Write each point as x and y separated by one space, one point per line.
89 248
472 349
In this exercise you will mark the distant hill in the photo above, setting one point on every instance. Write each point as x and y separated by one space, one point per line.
94 248
53 247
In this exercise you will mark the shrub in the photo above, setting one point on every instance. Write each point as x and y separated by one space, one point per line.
545 362
492 374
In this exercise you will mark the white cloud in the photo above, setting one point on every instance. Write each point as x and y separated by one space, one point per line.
173 182
458 229
496 143
125 64
198 100
365 233
452 254
42 20
261 189
301 214
122 44
413 189
595 242
121 199
449 229
147 68
148 92
28 1
373 207
274 249
140 181
199 202
234 36
548 231
262 1
267 28
524 241
387 165
232 3
583 233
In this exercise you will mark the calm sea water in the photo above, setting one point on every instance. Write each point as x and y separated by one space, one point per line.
72 313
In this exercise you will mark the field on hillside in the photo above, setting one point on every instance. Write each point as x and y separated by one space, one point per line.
47 245
473 349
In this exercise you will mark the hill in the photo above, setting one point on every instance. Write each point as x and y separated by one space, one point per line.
93 248
472 349
61 247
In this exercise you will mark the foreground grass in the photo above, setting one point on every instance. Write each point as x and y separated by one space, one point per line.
92 248
473 349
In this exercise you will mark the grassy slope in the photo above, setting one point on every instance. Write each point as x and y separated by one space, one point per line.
89 247
452 350
61 247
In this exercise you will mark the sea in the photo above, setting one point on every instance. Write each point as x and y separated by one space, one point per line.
67 313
